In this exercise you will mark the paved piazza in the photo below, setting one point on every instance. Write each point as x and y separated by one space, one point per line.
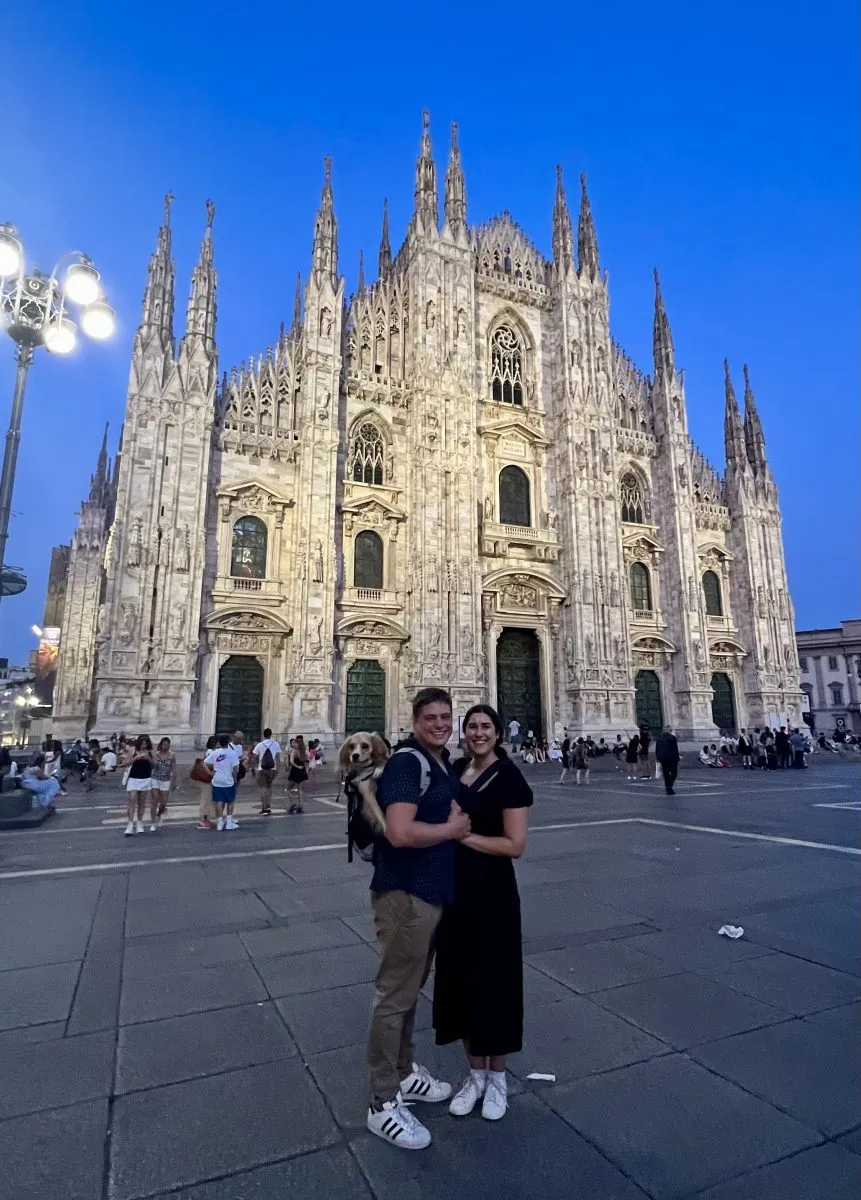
183 1014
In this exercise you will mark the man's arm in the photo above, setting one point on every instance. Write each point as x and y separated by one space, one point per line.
403 830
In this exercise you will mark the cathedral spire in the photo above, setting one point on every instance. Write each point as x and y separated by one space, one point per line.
426 211
158 295
455 187
385 255
325 254
733 433
563 234
297 304
360 286
200 315
99 481
753 435
587 239
662 338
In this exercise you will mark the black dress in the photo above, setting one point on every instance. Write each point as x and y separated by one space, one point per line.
478 990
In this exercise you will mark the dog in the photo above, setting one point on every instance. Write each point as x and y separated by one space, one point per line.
361 759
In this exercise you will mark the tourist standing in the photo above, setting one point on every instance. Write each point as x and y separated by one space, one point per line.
267 760
798 744
745 749
237 745
566 757
580 761
163 779
643 752
298 773
631 754
413 878
478 989
138 783
667 754
225 766
514 734
202 774
783 748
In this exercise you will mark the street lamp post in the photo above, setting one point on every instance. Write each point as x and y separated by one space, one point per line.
34 311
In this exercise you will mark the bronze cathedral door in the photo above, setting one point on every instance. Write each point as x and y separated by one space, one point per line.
366 698
518 680
240 697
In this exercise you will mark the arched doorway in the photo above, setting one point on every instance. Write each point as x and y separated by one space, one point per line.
518 679
366 697
723 702
240 697
647 691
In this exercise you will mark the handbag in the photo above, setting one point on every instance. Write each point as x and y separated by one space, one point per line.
201 772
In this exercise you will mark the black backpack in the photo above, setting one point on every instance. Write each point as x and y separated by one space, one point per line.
359 833
267 762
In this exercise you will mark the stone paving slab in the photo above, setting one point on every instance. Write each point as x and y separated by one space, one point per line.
328 1020
687 1009
202 988
675 1128
851 1141
317 899
55 1073
802 1068
824 1173
790 983
697 946
41 932
36 995
57 1155
291 974
296 935
331 1174
169 1051
845 1021
167 954
188 1132
600 965
195 912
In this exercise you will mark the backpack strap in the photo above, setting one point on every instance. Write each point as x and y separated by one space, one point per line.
423 762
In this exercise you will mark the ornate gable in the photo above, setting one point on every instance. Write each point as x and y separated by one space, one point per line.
507 261
253 497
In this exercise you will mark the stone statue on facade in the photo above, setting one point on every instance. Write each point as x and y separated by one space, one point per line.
318 563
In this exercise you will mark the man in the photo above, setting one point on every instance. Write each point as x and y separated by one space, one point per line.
643 752
237 745
783 748
514 734
413 879
225 766
267 761
798 744
667 754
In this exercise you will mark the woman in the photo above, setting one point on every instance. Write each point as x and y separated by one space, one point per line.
54 765
138 783
298 774
745 749
205 807
44 788
580 761
163 779
478 995
631 755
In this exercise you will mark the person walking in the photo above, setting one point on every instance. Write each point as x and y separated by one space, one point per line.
163 779
514 734
566 757
298 773
631 754
478 989
413 878
138 784
267 761
580 761
667 754
643 752
225 765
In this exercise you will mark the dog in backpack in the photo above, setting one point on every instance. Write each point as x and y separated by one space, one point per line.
361 759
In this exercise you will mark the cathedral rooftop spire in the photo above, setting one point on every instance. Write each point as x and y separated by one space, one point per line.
662 337
200 315
426 211
455 187
734 443
563 233
99 481
360 286
587 239
297 303
325 253
385 255
158 297
753 435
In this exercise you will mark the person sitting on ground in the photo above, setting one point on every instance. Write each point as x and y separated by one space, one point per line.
590 746
554 753
719 759
43 788
707 758
108 763
619 746
601 748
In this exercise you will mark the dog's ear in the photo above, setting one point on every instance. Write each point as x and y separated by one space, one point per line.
344 754
379 749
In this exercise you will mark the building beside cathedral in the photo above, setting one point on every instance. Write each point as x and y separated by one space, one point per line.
456 477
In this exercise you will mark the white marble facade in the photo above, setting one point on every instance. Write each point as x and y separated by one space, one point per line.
510 469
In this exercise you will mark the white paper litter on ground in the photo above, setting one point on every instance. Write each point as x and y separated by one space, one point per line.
731 931
538 1075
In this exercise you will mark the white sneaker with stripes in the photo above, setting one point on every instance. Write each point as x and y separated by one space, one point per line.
393 1122
421 1085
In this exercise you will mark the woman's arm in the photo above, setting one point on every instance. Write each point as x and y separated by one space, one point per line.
511 844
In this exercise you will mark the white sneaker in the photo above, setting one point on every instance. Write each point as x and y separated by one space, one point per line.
139 828
495 1097
219 824
471 1091
421 1085
231 824
395 1123
154 827
129 829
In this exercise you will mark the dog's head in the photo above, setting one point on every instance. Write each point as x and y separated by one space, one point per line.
362 750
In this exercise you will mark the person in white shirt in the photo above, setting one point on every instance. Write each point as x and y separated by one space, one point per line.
267 759
225 765
108 763
514 734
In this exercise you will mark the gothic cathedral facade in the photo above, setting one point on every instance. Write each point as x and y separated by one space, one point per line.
457 478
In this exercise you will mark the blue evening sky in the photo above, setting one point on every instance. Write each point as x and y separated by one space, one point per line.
720 143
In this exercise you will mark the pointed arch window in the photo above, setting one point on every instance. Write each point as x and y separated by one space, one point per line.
366 457
506 367
641 588
712 594
632 500
248 552
514 506
368 560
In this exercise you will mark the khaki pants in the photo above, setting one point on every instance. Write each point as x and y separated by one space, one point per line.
405 927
